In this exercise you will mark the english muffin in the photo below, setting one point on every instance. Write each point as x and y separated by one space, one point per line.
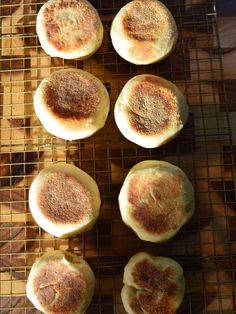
69 29
152 285
150 111
156 200
60 282
144 32
72 104
64 200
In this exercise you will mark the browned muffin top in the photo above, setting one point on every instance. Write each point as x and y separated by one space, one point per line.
157 202
144 20
158 289
59 289
151 106
71 95
63 199
69 24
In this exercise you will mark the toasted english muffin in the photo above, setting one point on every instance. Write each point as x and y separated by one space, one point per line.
64 200
150 111
144 32
156 200
72 104
69 29
60 282
152 285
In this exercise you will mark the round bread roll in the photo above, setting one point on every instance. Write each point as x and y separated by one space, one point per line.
69 29
156 200
60 282
150 111
144 32
72 104
64 200
152 285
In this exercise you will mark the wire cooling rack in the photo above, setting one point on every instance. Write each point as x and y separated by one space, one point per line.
205 246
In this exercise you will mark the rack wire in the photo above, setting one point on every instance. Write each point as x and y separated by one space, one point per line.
205 246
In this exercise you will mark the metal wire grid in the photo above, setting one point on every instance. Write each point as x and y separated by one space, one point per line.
204 247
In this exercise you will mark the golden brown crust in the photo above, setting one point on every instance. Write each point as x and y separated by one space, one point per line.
71 95
144 21
152 107
135 305
69 25
144 32
63 199
153 281
151 306
142 52
154 202
147 276
59 289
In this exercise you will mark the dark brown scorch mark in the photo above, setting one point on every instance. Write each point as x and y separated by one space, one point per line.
70 95
59 289
63 199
